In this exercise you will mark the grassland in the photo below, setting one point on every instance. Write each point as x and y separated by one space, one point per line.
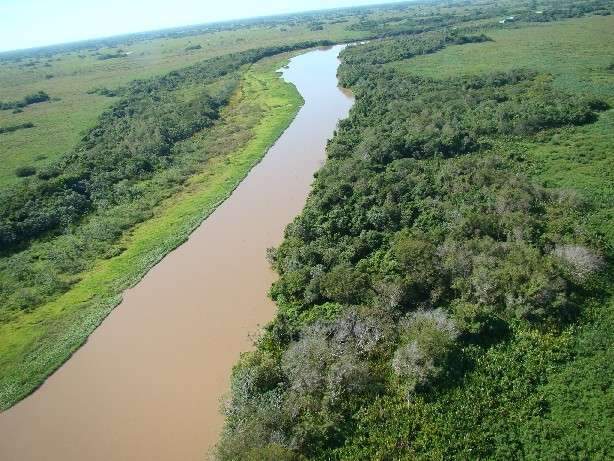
34 344
577 51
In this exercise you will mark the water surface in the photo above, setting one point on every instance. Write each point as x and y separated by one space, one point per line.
147 384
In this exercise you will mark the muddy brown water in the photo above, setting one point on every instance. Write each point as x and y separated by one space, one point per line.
148 382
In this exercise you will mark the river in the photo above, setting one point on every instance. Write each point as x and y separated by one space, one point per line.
148 382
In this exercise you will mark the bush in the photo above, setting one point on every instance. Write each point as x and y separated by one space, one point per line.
34 98
580 261
427 338
25 171
254 427
49 173
305 364
327 362
343 284
10 129
414 364
417 257
357 331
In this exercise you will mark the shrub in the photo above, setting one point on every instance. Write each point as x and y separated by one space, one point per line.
417 257
344 284
327 362
305 364
433 330
255 373
412 362
22 126
49 173
427 337
580 261
357 332
254 427
24 171
347 375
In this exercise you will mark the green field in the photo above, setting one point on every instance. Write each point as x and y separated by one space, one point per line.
577 51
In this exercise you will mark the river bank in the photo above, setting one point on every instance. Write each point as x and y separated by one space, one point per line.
163 357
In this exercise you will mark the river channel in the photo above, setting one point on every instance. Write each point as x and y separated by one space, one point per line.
148 382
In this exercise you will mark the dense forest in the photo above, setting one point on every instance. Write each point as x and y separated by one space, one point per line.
429 285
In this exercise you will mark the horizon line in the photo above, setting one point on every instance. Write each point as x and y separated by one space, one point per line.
209 23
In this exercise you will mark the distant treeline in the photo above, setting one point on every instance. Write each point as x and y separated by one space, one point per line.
452 14
402 47
550 10
10 129
41 96
106 56
193 47
331 16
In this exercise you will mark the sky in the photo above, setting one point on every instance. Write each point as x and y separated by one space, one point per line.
33 23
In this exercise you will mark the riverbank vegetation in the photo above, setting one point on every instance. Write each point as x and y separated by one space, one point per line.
446 292
129 156
57 289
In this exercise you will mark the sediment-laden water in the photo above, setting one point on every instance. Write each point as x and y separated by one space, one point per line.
148 382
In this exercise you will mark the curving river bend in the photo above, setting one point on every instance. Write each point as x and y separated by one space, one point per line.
148 382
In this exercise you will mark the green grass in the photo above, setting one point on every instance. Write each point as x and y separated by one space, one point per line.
578 51
581 159
33 345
